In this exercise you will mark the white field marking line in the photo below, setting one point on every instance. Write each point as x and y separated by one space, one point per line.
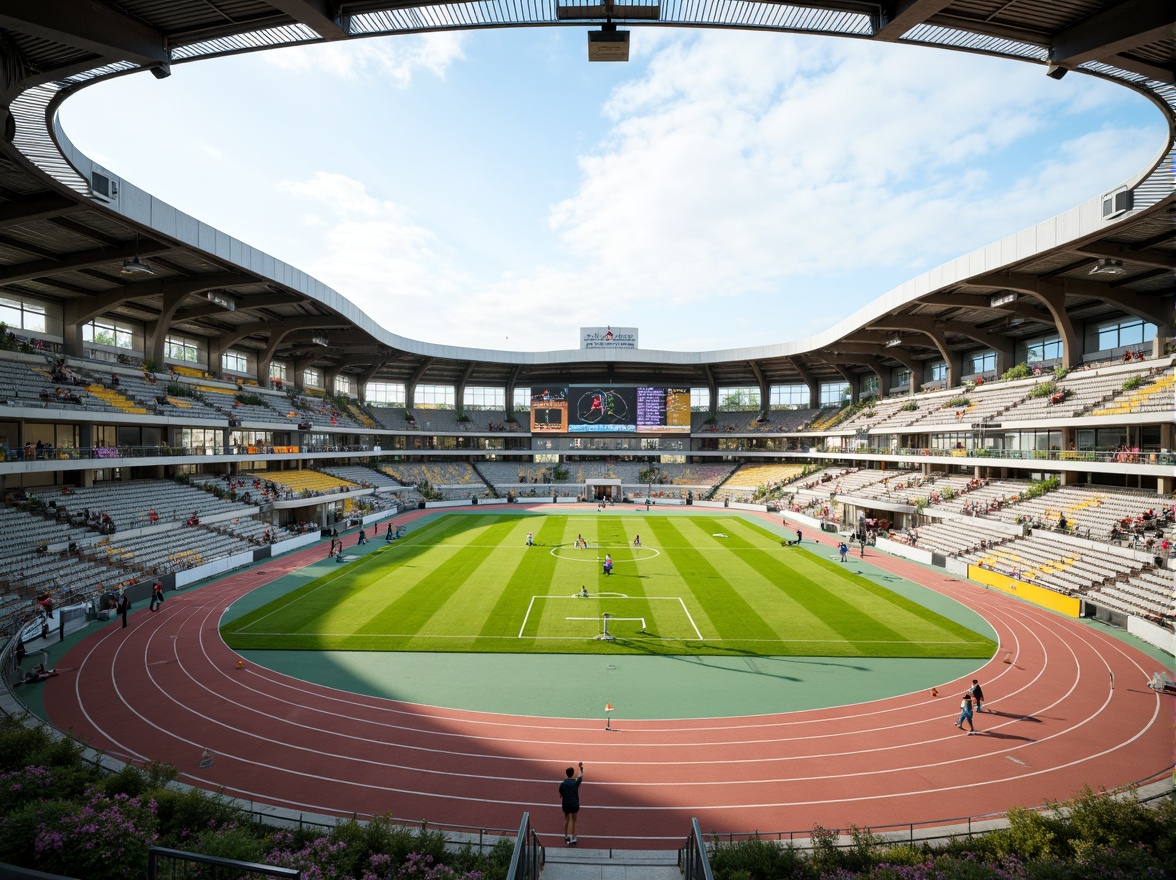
691 619
642 619
479 636
526 616
577 555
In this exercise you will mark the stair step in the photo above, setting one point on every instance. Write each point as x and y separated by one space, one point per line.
568 863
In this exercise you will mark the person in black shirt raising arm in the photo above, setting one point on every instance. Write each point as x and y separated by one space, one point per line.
569 795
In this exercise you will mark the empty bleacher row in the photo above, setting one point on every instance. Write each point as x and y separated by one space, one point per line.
1148 593
1093 512
438 474
955 537
28 525
364 476
29 382
751 477
130 504
1106 391
1062 567
169 550
296 483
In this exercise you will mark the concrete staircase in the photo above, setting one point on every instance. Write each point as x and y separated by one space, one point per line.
574 863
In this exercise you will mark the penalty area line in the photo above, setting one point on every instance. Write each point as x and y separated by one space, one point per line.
526 616
691 619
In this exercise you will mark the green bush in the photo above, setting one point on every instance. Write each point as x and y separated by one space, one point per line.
757 859
1020 371
192 811
18 830
1044 389
1132 383
22 746
230 841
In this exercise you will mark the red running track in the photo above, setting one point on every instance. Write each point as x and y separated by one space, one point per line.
167 687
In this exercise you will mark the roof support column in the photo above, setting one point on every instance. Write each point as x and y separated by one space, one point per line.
71 330
764 389
854 381
814 400
509 392
883 375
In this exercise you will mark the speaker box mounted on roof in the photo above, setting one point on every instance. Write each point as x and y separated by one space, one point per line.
608 44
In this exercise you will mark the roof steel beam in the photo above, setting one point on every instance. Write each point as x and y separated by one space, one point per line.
1151 258
88 25
80 260
317 15
1112 31
902 15
46 208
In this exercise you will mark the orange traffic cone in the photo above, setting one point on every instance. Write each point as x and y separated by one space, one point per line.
240 664
935 692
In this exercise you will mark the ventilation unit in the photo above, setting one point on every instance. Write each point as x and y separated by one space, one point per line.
103 185
1117 202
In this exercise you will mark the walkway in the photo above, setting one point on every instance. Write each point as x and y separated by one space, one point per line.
606 864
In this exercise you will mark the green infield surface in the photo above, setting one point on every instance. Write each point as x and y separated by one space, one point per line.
695 585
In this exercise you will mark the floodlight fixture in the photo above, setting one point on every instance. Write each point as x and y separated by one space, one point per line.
227 303
1002 299
894 342
1107 266
136 265
320 339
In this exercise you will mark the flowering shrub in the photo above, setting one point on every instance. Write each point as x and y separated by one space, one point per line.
18 787
99 838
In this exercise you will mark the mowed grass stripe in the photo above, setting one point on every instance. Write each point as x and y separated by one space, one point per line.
464 582
766 583
654 575
525 580
879 604
446 567
832 600
729 613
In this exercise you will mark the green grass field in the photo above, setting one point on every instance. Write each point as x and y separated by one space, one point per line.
697 585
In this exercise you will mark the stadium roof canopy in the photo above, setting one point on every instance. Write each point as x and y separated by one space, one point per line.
67 226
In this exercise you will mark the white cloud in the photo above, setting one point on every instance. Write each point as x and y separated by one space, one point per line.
750 189
738 165
371 250
398 59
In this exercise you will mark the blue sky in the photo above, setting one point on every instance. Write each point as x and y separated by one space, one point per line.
496 190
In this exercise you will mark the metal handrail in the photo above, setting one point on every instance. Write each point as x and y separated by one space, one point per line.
159 857
529 854
693 860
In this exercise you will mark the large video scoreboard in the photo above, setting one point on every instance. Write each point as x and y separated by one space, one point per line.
609 409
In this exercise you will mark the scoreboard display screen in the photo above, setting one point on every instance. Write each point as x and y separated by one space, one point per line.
610 409
549 410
